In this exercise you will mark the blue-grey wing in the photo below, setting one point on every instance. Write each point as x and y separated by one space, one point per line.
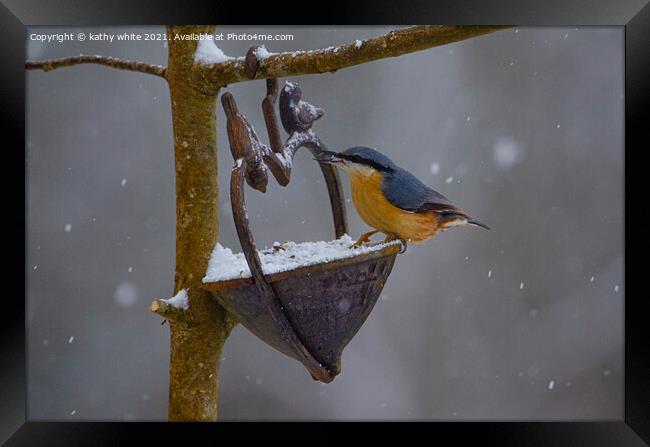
405 191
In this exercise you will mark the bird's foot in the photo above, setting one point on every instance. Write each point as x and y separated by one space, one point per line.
363 239
390 237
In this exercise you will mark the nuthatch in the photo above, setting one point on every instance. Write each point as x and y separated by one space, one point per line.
392 200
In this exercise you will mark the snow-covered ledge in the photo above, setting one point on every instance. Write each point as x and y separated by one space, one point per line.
225 265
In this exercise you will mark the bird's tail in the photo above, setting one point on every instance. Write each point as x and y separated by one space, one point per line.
477 223
459 218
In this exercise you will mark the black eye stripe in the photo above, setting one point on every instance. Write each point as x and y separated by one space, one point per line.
354 158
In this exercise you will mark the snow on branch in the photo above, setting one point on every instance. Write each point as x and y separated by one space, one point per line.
172 308
53 64
394 43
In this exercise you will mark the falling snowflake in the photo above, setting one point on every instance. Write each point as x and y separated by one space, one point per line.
506 152
125 294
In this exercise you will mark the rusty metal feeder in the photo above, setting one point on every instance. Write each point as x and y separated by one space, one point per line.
297 312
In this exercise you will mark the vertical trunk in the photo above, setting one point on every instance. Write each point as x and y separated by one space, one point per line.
196 344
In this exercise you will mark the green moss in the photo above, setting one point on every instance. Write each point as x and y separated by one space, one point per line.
197 343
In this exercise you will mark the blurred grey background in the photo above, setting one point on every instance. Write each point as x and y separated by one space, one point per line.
522 128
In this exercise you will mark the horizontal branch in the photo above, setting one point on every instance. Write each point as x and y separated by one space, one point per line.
393 44
53 64
167 311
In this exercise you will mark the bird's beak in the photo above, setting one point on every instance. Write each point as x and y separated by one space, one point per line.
328 157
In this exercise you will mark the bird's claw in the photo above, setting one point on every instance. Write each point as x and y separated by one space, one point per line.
393 237
363 239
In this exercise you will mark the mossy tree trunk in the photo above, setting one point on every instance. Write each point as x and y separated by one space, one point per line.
197 341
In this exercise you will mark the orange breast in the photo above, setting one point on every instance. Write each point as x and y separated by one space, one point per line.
379 213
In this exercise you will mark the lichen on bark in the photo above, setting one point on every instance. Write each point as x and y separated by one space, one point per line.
197 343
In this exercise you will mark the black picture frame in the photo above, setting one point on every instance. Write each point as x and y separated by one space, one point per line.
632 430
